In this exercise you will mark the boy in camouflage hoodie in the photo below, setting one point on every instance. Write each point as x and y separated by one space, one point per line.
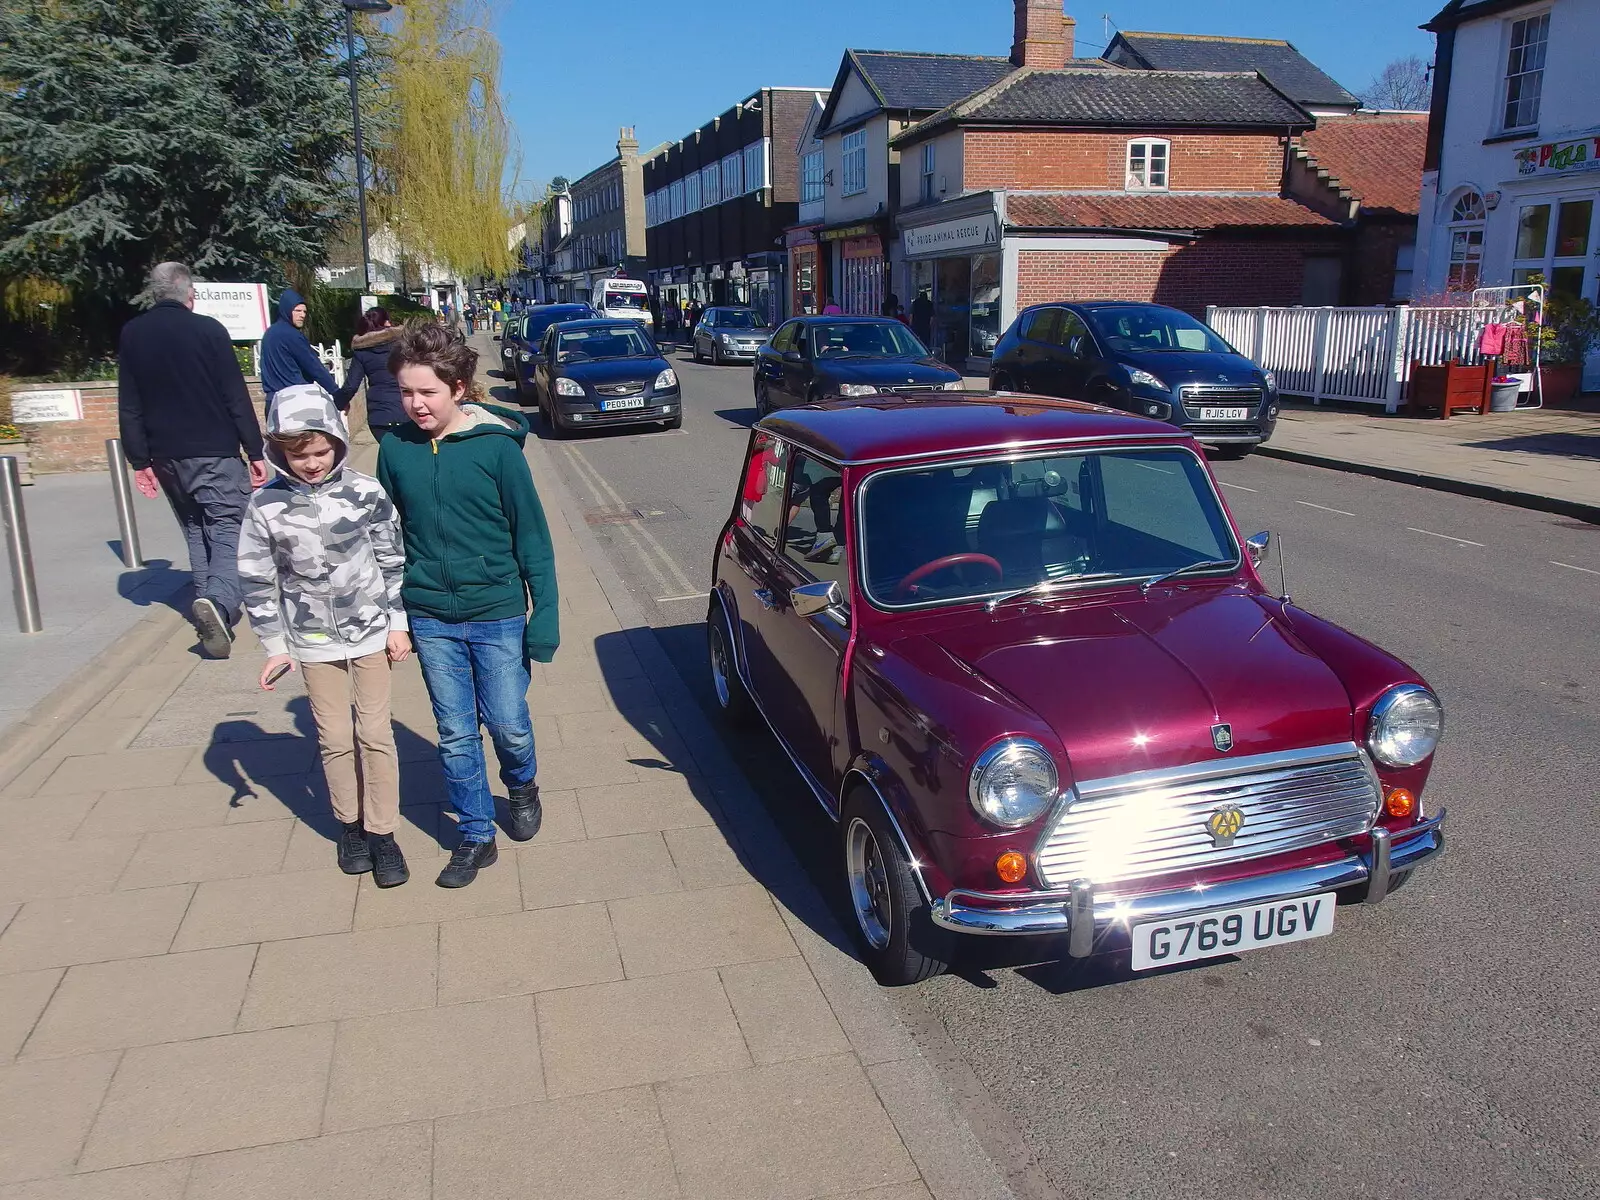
321 564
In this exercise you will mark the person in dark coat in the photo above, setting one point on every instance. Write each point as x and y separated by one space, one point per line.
286 354
185 414
369 361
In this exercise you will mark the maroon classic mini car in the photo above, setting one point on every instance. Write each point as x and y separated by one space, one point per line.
1021 655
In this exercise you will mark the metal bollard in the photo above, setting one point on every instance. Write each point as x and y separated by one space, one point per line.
24 591
122 496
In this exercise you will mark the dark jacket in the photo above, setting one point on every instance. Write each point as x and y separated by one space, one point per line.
477 545
286 354
180 392
369 360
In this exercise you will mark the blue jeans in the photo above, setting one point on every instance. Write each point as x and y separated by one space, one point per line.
476 672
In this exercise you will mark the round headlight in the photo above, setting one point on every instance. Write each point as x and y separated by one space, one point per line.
1012 783
1405 726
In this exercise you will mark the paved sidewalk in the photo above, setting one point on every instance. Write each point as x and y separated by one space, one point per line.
647 1000
1539 458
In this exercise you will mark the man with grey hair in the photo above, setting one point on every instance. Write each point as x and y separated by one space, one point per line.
185 414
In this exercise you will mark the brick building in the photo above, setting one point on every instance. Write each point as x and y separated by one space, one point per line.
717 202
607 235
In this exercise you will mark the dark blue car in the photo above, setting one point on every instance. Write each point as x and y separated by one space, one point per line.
605 372
822 358
1146 359
525 339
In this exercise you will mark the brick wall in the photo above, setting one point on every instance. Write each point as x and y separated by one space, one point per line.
1375 245
1214 270
1049 158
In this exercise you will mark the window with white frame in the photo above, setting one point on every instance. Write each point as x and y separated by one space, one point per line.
691 192
929 161
732 184
675 192
1147 165
1560 262
755 166
853 167
1525 71
1466 242
811 171
711 185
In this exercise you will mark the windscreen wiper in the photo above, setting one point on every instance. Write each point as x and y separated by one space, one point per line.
1145 587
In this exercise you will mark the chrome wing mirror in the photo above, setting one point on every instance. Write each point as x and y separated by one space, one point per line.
812 598
1256 547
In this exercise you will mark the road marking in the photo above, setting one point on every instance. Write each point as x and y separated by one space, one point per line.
680 599
1570 567
1325 508
1238 487
683 582
1447 537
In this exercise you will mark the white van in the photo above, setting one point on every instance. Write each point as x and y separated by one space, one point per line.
624 298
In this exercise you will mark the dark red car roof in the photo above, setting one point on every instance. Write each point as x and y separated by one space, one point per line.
912 426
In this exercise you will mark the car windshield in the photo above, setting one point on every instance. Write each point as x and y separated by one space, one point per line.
539 322
978 531
734 318
624 300
1149 327
865 339
609 341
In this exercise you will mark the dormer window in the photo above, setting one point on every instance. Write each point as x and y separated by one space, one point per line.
1147 165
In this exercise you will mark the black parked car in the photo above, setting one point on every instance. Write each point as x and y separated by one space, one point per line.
730 335
819 358
527 335
1144 358
603 373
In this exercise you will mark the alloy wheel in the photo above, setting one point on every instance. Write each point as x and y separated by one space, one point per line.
719 664
869 883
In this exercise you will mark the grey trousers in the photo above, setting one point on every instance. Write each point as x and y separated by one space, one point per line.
208 496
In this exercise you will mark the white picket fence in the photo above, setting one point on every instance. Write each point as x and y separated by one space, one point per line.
1359 354
332 357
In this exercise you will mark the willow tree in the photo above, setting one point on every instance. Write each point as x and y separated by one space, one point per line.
445 148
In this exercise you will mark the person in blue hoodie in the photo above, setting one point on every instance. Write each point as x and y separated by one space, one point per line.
287 358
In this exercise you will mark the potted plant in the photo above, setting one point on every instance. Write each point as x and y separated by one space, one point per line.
1571 332
11 441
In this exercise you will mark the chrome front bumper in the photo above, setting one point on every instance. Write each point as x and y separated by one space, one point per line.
1094 923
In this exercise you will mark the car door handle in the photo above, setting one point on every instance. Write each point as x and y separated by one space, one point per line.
766 599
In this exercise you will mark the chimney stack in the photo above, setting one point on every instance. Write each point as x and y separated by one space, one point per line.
1043 34
627 144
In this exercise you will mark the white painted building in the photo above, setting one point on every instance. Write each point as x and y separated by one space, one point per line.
1511 181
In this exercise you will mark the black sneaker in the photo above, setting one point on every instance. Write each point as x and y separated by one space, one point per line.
354 856
526 814
211 623
465 862
388 863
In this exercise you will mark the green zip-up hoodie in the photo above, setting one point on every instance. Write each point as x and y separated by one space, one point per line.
477 545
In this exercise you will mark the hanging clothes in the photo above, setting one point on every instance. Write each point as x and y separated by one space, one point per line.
1492 341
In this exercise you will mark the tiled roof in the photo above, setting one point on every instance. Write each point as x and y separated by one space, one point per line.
926 82
1077 96
1170 211
1377 159
1289 70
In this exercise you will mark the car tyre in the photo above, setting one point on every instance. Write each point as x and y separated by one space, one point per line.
675 421
716 355
559 430
894 924
763 401
1002 383
696 351
733 701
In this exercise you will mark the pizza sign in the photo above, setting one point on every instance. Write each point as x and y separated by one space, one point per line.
1559 158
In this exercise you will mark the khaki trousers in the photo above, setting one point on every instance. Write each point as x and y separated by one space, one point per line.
333 687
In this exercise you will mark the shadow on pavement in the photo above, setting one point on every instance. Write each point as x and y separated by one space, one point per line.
157 582
1558 445
738 416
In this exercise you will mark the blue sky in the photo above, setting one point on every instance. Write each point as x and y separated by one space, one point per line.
574 72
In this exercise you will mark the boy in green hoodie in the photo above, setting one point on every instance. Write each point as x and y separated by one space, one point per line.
477 550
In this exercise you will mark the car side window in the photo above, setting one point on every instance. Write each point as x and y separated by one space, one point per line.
813 534
784 340
1075 334
761 503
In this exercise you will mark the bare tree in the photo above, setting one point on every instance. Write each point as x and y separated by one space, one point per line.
1401 84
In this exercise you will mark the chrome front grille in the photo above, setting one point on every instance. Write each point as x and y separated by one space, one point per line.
620 389
1196 396
1153 822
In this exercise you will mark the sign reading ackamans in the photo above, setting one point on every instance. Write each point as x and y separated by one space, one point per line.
241 307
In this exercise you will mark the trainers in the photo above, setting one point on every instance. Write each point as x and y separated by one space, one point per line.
388 863
355 858
526 814
216 639
463 866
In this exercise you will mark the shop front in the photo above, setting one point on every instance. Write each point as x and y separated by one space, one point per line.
806 284
953 279
857 267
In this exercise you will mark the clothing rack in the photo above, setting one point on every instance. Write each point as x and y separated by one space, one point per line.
1519 303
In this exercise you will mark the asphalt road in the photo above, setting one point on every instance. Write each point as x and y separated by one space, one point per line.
1446 1043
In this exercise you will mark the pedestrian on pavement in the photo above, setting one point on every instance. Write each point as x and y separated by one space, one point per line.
369 362
831 308
922 316
891 306
185 413
286 354
321 562
477 550
671 315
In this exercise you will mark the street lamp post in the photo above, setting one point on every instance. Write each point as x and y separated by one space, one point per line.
351 8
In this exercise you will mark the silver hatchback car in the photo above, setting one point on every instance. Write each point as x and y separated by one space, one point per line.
730 335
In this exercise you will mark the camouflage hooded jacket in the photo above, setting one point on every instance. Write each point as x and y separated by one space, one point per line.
321 563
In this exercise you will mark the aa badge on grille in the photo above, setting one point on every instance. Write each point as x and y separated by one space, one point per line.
1222 738
1224 824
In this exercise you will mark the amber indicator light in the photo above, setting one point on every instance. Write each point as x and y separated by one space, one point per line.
1011 867
1399 803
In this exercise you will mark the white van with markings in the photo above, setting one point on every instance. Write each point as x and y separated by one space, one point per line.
624 298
